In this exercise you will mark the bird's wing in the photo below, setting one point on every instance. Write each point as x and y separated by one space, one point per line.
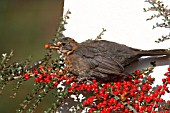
99 61
106 65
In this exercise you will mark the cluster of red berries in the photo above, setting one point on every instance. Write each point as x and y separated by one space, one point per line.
114 96
117 96
43 75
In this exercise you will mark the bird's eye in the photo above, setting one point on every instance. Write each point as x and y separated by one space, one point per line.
63 44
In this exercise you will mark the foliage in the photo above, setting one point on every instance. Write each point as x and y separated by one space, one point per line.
163 12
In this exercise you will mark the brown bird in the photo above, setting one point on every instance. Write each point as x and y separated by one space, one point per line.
100 59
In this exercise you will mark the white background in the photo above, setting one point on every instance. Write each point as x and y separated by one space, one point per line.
125 23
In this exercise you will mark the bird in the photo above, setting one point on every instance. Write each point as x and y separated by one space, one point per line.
100 59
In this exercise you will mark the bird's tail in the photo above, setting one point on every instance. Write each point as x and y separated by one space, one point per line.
154 52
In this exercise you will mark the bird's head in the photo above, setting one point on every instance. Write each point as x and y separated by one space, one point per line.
65 46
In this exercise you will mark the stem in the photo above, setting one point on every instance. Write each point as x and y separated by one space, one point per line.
100 35
28 101
61 26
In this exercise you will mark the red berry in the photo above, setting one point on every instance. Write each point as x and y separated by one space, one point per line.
140 76
122 106
137 106
162 92
26 76
126 110
149 78
35 72
47 46
167 74
166 111
56 83
143 88
160 100
67 81
169 69
137 72
163 80
36 80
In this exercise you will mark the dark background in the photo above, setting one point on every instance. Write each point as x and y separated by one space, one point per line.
25 27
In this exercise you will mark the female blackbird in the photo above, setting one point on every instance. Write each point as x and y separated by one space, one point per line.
100 59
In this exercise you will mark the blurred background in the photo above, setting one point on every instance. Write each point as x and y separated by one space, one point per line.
25 27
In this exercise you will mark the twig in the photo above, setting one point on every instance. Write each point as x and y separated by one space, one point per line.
100 35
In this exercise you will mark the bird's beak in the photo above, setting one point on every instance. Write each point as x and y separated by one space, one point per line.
57 47
54 47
